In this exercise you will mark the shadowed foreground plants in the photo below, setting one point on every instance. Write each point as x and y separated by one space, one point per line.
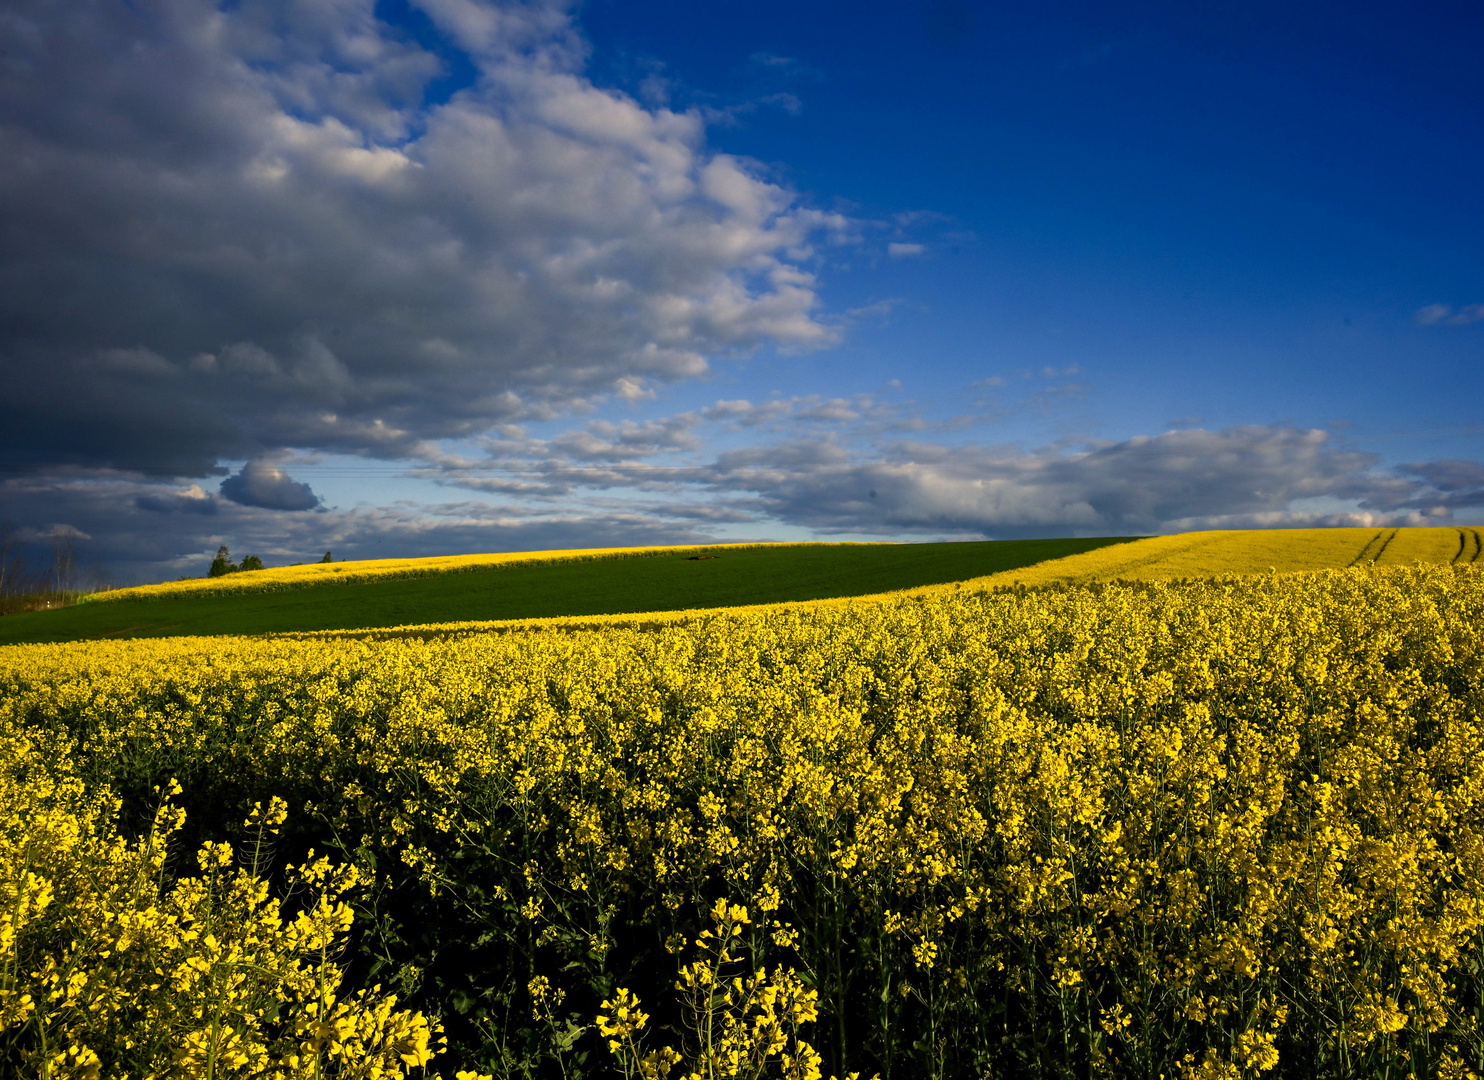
110 968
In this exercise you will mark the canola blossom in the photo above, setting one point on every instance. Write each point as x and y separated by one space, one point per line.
1211 828
105 970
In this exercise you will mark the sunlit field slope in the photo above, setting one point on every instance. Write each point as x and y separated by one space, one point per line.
362 571
1254 551
1186 555
1221 827
388 593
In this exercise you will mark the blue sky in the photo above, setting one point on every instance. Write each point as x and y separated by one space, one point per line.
1229 215
428 276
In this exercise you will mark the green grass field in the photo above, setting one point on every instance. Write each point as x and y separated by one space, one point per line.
634 582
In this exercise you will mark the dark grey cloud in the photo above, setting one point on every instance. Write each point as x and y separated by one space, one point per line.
1236 477
192 500
1458 483
1241 477
266 485
56 531
128 544
132 531
231 228
534 494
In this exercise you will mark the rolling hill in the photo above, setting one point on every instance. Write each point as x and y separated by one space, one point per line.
473 592
1250 551
386 593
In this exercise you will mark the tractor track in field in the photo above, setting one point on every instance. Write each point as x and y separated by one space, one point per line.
1374 548
1464 556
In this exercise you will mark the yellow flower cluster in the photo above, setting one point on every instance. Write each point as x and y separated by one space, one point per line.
1209 828
105 971
742 1024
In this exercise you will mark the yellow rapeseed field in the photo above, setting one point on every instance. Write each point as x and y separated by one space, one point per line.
1158 558
1431 546
1251 551
309 574
1219 827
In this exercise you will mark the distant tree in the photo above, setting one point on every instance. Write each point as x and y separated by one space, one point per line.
251 562
327 558
222 564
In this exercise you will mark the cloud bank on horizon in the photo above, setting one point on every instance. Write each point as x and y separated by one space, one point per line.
239 238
